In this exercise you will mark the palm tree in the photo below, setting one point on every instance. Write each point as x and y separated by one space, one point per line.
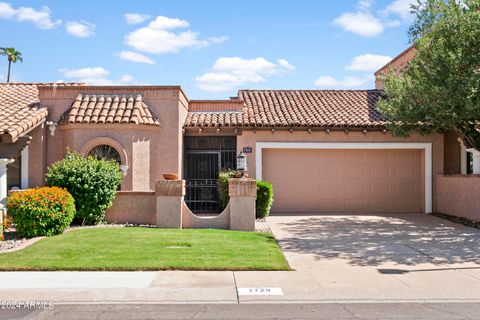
12 56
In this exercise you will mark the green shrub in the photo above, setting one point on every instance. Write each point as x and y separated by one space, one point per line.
41 212
93 184
264 198
223 177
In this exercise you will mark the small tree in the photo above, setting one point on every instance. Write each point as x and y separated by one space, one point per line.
93 184
440 88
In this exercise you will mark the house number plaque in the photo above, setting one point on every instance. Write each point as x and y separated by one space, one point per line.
260 291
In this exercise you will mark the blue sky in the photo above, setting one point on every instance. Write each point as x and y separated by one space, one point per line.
210 48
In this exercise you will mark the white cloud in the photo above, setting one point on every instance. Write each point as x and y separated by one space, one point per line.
166 23
135 57
328 82
160 36
368 24
95 76
284 63
368 62
82 29
134 18
6 11
94 72
365 4
362 23
401 8
217 39
228 73
40 18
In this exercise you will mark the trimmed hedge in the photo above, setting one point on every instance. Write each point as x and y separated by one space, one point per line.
45 211
93 184
264 199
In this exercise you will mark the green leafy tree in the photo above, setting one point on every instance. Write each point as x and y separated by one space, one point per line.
93 184
12 56
439 89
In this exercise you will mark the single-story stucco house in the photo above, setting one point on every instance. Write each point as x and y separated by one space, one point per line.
323 150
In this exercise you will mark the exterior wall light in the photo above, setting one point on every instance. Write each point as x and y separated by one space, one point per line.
242 163
124 169
52 126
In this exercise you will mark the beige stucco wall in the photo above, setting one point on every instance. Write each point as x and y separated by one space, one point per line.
248 138
459 195
149 151
37 156
452 154
192 221
133 207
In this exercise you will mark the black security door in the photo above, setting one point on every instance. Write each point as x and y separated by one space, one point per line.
204 158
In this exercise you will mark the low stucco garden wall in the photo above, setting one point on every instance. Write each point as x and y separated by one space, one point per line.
165 207
138 207
459 195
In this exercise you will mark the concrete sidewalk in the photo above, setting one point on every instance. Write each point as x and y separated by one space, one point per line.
221 287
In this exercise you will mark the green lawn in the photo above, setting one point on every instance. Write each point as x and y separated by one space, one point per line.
133 248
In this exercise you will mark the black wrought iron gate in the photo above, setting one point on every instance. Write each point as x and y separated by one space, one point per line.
204 158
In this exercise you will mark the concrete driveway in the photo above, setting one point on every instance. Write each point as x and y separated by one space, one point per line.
409 256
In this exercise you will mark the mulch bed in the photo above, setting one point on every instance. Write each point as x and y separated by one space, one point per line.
459 220
11 241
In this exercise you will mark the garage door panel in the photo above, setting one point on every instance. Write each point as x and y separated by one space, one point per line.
377 156
353 181
378 172
354 205
354 171
406 172
354 190
406 157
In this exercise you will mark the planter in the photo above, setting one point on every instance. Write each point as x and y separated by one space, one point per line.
170 176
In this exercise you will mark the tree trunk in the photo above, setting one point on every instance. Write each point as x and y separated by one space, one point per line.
8 73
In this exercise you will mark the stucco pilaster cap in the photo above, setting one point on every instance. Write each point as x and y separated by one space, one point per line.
242 187
170 188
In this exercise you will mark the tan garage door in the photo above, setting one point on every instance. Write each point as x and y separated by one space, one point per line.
349 181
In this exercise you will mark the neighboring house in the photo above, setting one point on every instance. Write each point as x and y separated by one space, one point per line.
20 113
323 150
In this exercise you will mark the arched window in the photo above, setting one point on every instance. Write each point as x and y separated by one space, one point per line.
106 152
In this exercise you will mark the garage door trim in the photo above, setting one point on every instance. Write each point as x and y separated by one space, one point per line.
425 146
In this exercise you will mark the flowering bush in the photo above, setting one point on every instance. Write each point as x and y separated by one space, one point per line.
93 184
42 211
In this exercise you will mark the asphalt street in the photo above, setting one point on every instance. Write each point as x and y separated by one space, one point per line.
339 311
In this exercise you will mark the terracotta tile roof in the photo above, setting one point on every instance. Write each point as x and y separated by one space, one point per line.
109 109
298 108
20 110
214 119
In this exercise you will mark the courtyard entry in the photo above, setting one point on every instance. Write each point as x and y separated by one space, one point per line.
204 157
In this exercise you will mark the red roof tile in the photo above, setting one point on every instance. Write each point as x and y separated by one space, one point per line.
109 109
19 109
297 108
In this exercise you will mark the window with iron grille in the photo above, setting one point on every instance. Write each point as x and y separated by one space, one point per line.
105 152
